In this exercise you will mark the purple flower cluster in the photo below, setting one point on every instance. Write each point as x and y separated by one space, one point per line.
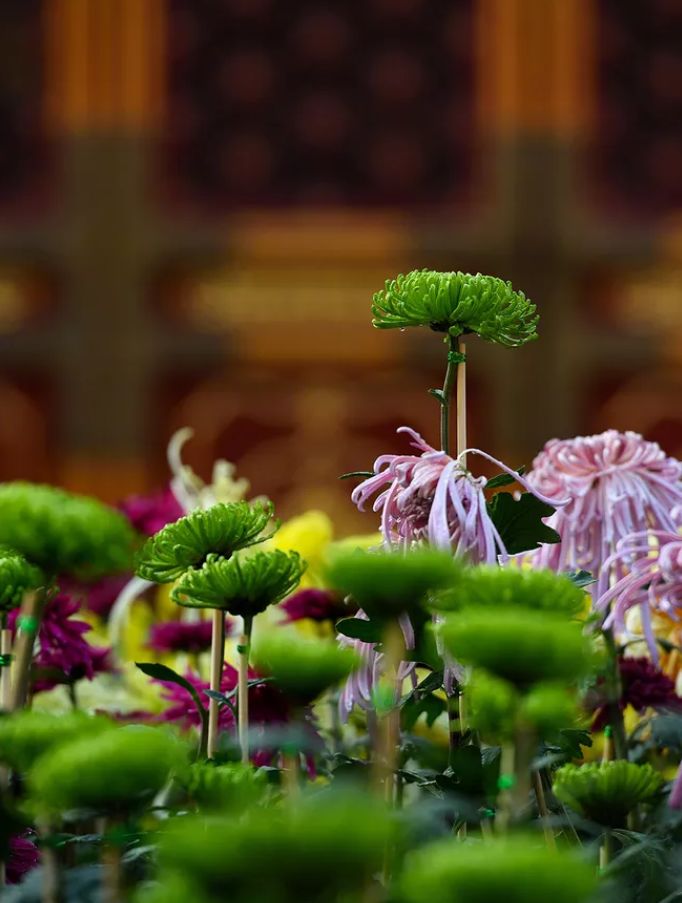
182 636
149 513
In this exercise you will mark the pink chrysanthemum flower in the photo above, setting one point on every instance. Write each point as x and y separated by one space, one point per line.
150 513
648 566
24 855
62 647
618 484
432 497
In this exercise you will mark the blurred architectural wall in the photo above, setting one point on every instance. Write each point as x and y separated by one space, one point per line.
198 198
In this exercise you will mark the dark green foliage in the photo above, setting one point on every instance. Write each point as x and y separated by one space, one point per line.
17 576
519 522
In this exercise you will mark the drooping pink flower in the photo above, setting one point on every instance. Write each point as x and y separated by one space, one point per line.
64 655
618 484
149 513
182 636
648 573
434 498
24 855
316 604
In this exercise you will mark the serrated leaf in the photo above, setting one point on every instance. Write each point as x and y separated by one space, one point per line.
168 675
519 521
503 479
430 705
438 395
666 730
359 629
581 578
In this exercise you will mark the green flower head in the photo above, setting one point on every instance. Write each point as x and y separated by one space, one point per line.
259 857
231 787
485 586
62 533
220 530
514 869
493 703
301 666
386 584
117 772
26 735
456 303
607 791
549 708
240 586
17 576
523 647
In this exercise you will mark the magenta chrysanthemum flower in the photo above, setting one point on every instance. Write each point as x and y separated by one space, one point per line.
62 647
432 497
316 604
182 636
24 855
643 686
618 484
97 597
149 513
648 569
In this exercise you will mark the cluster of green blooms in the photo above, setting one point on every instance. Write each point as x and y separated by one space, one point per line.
63 533
17 576
231 787
518 630
326 849
607 791
515 869
302 667
117 771
386 584
25 736
456 303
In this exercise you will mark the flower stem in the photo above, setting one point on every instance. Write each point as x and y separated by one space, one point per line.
614 692
28 623
217 655
5 662
446 396
243 710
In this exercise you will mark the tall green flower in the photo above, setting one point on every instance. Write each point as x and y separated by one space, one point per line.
187 543
27 735
607 791
523 647
456 303
117 772
303 667
241 586
513 870
17 576
231 787
63 533
487 586
386 584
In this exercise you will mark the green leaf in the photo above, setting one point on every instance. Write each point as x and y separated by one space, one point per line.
666 730
503 479
519 523
357 473
359 629
581 578
438 395
467 767
429 705
163 672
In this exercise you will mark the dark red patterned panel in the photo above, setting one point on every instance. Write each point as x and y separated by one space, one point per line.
354 102
637 156
23 145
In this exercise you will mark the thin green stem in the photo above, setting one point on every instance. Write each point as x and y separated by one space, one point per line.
614 692
243 709
449 384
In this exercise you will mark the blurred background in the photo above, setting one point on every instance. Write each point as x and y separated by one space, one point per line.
199 197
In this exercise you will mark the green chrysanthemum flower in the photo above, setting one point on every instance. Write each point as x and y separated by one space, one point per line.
232 787
116 772
63 533
27 735
301 666
220 530
385 584
606 792
457 303
240 586
486 586
493 704
17 576
549 708
524 647
259 857
516 870
173 889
